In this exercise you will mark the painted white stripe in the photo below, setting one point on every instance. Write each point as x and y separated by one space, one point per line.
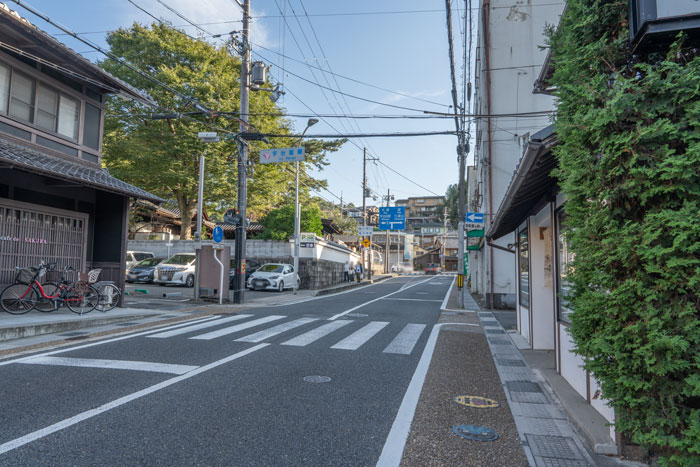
396 441
375 300
279 329
239 327
121 338
421 293
28 438
413 299
315 334
447 295
194 327
324 297
355 340
112 364
404 342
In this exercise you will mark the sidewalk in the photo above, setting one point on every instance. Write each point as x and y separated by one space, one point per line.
475 357
37 329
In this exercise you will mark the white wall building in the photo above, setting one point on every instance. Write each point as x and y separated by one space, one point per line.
508 61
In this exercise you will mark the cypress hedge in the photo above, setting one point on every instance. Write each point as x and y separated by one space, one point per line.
629 163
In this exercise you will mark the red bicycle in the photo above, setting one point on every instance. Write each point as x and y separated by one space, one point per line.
28 293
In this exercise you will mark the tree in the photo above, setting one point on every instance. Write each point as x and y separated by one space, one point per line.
451 203
279 223
332 211
628 153
162 155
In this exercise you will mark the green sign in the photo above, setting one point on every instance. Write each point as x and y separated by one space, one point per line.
473 248
475 233
466 264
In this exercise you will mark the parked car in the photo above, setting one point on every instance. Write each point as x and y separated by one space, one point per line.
143 270
176 270
274 276
133 257
433 268
250 267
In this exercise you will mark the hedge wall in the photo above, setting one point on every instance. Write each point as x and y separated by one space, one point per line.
629 163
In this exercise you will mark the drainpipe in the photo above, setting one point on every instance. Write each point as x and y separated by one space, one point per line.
486 7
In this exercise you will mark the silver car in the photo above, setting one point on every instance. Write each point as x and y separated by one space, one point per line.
274 276
176 270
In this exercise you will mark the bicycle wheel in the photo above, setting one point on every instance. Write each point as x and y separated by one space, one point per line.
109 297
18 299
46 305
83 299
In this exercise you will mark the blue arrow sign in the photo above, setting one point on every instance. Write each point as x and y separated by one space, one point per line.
392 218
218 234
474 218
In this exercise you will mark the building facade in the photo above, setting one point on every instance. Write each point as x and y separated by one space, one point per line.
57 203
508 60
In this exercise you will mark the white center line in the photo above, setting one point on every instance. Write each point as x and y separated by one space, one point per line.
112 364
414 299
239 327
359 337
43 432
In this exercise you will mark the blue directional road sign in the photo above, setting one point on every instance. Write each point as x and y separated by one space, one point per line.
218 234
392 218
474 218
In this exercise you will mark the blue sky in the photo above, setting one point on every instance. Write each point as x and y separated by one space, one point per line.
401 52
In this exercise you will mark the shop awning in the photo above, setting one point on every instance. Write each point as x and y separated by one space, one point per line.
32 160
532 182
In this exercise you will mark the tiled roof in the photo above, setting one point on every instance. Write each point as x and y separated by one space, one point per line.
36 161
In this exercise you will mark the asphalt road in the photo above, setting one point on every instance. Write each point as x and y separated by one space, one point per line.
228 389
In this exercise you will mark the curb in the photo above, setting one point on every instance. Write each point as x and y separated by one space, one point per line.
19 332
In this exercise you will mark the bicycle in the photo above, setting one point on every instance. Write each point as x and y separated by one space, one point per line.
109 295
28 293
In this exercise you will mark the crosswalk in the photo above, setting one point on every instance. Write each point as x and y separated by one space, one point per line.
352 337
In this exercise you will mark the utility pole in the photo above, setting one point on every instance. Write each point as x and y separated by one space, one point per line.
239 278
444 236
388 238
364 211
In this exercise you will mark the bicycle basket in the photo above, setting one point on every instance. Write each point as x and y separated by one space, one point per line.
93 275
25 275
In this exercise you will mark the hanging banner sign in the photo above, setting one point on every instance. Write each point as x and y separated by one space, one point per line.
271 156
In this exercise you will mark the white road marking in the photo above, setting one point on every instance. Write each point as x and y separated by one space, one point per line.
28 438
404 342
413 299
447 295
315 334
112 364
92 344
396 441
422 293
194 327
279 329
372 301
359 337
239 327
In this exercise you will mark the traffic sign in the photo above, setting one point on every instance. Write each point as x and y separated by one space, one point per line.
271 156
366 243
475 233
365 230
474 220
218 234
392 218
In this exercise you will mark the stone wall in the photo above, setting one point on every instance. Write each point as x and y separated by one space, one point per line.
319 273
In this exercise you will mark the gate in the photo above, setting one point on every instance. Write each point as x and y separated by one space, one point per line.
31 233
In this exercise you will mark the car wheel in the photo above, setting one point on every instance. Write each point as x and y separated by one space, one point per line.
280 288
189 282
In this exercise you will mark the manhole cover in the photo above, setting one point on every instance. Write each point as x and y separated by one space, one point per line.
475 433
316 379
476 401
356 315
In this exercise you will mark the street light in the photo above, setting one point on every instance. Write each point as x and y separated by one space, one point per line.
297 215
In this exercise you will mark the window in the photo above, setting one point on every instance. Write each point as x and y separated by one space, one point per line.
91 127
47 108
68 117
4 87
524 268
564 259
22 97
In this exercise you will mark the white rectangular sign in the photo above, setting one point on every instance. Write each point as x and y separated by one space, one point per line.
271 156
355 214
365 230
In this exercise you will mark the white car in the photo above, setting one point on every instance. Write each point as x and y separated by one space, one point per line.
176 270
274 276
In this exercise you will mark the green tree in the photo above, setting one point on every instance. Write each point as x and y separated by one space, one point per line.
629 151
162 155
279 223
451 204
332 211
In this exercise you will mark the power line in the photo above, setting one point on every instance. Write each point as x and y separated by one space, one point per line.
363 135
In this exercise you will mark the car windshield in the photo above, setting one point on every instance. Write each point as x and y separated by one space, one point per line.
179 259
148 262
271 268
